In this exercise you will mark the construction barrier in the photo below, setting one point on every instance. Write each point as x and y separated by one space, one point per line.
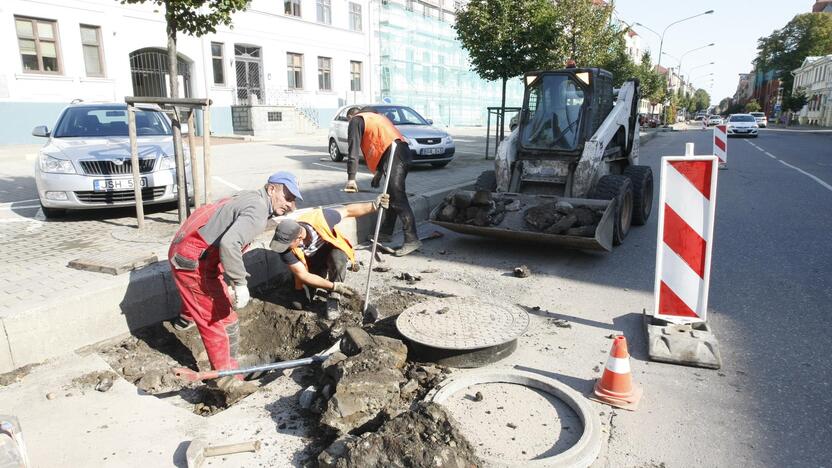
721 145
687 202
615 387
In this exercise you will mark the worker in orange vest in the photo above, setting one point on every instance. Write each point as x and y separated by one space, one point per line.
373 134
317 252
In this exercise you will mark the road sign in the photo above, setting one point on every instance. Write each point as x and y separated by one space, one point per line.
687 201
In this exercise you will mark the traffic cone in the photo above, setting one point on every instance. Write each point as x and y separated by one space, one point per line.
615 387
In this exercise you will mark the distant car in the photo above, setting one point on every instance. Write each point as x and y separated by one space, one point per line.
428 144
742 125
699 117
86 162
714 120
761 118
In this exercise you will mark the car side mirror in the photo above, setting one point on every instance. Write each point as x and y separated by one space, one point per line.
429 121
41 131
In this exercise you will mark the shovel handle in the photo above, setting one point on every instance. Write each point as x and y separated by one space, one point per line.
192 375
393 148
217 450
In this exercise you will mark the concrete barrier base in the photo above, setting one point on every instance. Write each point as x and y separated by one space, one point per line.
692 344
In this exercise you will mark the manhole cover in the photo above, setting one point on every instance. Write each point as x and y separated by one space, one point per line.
462 323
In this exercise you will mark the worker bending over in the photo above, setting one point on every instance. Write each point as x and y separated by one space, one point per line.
373 134
210 243
317 252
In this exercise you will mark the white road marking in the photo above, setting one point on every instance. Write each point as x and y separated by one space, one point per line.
37 222
328 166
17 207
227 183
807 174
19 201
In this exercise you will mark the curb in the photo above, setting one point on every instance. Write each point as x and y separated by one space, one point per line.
144 297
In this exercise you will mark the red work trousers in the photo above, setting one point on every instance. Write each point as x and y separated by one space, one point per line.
198 275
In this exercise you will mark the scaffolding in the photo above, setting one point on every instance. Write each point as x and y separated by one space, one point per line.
424 66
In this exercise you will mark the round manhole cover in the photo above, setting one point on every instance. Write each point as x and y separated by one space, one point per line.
462 323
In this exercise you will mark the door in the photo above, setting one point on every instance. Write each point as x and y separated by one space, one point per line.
247 64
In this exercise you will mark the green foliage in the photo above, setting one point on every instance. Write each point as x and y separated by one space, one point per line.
724 104
587 34
653 84
701 100
809 34
795 100
752 106
506 38
196 17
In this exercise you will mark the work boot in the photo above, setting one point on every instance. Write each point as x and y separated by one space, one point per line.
181 323
333 306
235 389
408 248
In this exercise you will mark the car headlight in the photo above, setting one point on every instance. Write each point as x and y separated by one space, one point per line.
169 162
448 140
54 165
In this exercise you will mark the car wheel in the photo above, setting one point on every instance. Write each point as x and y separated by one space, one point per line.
440 164
52 213
334 153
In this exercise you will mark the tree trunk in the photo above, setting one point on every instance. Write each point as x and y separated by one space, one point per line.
503 112
178 152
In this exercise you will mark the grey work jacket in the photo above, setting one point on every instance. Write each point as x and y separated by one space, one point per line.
236 224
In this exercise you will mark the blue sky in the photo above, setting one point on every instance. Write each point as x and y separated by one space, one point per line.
734 27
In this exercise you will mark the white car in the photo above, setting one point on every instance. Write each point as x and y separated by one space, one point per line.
428 144
742 125
714 120
86 162
761 118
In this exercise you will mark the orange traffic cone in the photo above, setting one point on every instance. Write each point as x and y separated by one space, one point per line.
615 387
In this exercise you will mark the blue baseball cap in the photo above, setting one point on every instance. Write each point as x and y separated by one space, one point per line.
288 180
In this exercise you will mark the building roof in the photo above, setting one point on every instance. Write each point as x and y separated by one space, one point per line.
822 5
631 33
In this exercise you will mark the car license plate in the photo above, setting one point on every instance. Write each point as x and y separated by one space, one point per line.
428 151
109 185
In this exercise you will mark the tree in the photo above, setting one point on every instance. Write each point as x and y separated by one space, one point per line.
196 18
653 84
809 34
506 38
724 104
701 100
752 106
795 100
587 34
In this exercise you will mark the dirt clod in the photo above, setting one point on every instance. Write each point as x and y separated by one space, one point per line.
51 396
381 269
478 396
424 436
511 425
522 271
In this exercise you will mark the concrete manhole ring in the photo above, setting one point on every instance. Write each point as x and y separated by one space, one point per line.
462 323
583 453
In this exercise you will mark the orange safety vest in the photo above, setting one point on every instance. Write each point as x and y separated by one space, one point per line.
379 134
334 237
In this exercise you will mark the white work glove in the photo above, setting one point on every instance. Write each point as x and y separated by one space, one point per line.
239 296
382 200
351 187
343 289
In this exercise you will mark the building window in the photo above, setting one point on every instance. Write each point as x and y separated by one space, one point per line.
38 42
324 11
275 116
294 68
91 47
325 73
355 17
355 76
217 62
291 7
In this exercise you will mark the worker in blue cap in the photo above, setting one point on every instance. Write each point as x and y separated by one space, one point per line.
208 246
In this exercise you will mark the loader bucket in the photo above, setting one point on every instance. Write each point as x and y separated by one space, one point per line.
513 227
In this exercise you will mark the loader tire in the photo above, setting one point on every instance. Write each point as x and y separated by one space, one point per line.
642 179
486 181
620 189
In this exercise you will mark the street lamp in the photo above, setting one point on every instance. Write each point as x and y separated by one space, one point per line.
661 42
692 50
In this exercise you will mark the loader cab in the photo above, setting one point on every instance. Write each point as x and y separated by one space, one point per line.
561 110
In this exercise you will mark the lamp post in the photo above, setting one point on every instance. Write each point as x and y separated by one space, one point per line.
661 42
692 50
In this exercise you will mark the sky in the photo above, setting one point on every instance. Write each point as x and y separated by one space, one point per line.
734 28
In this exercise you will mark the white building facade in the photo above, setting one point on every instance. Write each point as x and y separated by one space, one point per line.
814 78
304 58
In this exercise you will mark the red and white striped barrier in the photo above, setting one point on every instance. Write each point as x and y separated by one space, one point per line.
721 145
687 201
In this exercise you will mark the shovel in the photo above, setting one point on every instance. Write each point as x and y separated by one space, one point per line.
378 226
194 376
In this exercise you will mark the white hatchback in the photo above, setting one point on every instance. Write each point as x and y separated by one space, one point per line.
760 117
742 125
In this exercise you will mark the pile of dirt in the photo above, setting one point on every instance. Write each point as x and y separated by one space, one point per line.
423 436
563 218
480 208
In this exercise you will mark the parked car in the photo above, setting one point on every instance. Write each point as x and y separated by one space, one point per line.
761 119
86 164
714 120
742 125
428 144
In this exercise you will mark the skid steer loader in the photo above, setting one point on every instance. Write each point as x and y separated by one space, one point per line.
576 142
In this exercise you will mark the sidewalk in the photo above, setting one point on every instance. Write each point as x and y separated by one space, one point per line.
799 129
47 308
